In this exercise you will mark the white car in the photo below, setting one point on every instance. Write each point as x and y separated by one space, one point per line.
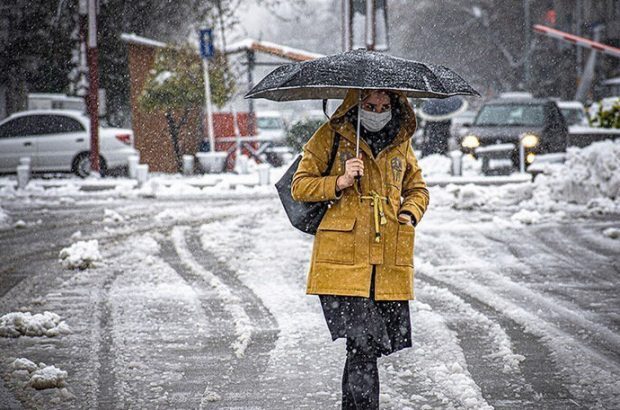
270 126
59 141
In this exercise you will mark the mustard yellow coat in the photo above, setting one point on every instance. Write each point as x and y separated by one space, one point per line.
347 242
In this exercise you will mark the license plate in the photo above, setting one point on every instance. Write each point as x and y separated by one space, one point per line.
500 163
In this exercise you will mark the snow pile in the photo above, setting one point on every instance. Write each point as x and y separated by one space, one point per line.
434 165
80 255
527 217
469 196
613 233
589 174
472 196
17 324
39 377
111 216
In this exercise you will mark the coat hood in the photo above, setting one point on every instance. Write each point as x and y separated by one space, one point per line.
407 124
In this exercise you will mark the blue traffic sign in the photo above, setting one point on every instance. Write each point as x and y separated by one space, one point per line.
206 43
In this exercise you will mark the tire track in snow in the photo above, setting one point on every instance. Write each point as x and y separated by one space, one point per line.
593 377
564 315
232 303
524 377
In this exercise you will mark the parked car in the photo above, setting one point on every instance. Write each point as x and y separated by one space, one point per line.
580 133
502 124
574 113
271 127
59 141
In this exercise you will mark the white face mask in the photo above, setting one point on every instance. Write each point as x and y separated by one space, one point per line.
375 121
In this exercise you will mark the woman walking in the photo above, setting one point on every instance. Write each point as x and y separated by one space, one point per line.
362 258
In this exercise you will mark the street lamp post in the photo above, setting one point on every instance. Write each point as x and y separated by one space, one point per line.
526 65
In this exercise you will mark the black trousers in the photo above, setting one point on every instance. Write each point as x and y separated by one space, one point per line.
360 378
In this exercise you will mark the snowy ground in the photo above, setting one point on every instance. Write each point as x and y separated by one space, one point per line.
194 298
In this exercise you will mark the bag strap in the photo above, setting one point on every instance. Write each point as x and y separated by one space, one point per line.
332 155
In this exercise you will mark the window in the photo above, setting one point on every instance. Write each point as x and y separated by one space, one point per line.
269 123
574 116
58 124
18 127
511 114
40 125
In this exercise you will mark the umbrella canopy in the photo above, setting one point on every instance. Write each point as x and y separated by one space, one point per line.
442 110
330 77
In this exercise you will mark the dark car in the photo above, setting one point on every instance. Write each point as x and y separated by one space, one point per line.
503 125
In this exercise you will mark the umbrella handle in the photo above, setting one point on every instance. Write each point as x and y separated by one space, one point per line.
358 177
358 183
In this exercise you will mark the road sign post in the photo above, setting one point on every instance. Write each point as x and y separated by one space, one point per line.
206 52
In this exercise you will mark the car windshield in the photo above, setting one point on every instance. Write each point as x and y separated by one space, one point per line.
573 116
511 114
269 123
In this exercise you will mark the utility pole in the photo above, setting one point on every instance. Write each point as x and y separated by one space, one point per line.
374 35
371 29
527 28
347 25
88 10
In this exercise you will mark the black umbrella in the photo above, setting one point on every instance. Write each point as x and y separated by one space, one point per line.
442 109
331 77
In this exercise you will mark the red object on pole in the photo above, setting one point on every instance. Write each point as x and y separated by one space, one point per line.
578 41
93 88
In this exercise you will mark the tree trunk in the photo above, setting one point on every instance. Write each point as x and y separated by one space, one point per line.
175 131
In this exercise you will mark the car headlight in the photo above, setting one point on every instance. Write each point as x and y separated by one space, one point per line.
530 157
529 140
470 141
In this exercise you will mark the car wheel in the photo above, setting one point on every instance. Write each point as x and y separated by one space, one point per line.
81 165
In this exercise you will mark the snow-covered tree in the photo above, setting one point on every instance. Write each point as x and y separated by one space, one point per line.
175 85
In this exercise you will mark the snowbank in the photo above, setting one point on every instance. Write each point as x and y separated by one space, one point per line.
588 181
435 164
17 324
80 255
38 376
588 173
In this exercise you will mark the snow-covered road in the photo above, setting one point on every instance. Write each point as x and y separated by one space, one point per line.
200 303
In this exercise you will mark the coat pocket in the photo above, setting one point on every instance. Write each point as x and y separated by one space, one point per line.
404 245
336 241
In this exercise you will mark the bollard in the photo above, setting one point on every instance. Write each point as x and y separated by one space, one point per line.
24 161
188 164
132 163
142 174
457 163
23 176
263 174
241 164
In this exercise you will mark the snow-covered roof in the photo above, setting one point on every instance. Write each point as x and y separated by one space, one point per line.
54 96
612 81
570 104
70 113
580 129
266 114
133 38
268 47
